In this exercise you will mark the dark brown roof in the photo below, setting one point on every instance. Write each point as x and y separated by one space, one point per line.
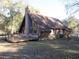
44 20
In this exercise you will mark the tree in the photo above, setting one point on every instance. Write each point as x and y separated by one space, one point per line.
72 7
12 12
33 10
73 23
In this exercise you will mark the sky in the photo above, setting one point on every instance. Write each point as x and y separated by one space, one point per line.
52 8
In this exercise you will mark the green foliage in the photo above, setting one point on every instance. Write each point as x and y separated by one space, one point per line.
33 10
2 22
16 10
16 22
73 24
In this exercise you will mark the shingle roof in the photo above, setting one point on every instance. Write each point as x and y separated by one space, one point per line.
45 22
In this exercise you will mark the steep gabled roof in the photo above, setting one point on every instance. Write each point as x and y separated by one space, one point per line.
44 21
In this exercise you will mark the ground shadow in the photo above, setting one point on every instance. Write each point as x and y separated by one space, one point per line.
44 49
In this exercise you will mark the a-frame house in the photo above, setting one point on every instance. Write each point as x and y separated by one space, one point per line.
35 24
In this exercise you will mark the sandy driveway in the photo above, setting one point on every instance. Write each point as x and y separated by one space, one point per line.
46 49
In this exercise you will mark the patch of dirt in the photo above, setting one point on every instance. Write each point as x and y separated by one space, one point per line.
43 49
